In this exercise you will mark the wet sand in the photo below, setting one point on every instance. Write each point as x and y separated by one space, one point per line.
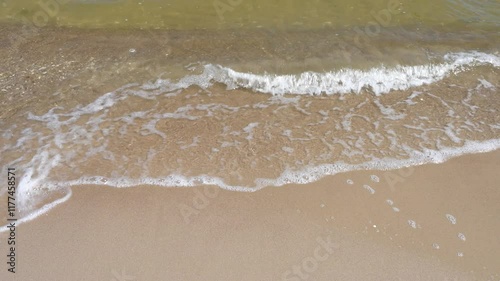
328 230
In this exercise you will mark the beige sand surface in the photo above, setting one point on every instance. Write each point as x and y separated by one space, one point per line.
328 230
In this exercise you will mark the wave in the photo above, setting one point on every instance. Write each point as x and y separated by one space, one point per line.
378 80
62 136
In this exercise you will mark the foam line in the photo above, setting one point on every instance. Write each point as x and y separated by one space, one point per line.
379 80
304 176
33 215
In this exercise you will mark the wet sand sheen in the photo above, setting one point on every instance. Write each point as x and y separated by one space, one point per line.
266 234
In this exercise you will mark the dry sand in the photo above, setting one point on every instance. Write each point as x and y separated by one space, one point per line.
328 230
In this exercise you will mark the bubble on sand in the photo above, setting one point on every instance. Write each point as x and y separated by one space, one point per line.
375 178
391 203
435 246
412 223
461 236
460 254
322 205
369 188
451 218
132 50
349 181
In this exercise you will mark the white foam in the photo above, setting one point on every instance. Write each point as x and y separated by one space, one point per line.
379 80
376 138
150 128
388 111
311 174
194 143
47 207
449 131
410 101
486 84
249 130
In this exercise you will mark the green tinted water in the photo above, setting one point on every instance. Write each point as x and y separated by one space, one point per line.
281 14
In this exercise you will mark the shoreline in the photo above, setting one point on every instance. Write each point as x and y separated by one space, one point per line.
99 100
264 235
308 175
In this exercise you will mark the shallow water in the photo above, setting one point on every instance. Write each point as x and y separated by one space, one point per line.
199 14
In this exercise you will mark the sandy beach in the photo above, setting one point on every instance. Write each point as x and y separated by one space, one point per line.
328 230
249 140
